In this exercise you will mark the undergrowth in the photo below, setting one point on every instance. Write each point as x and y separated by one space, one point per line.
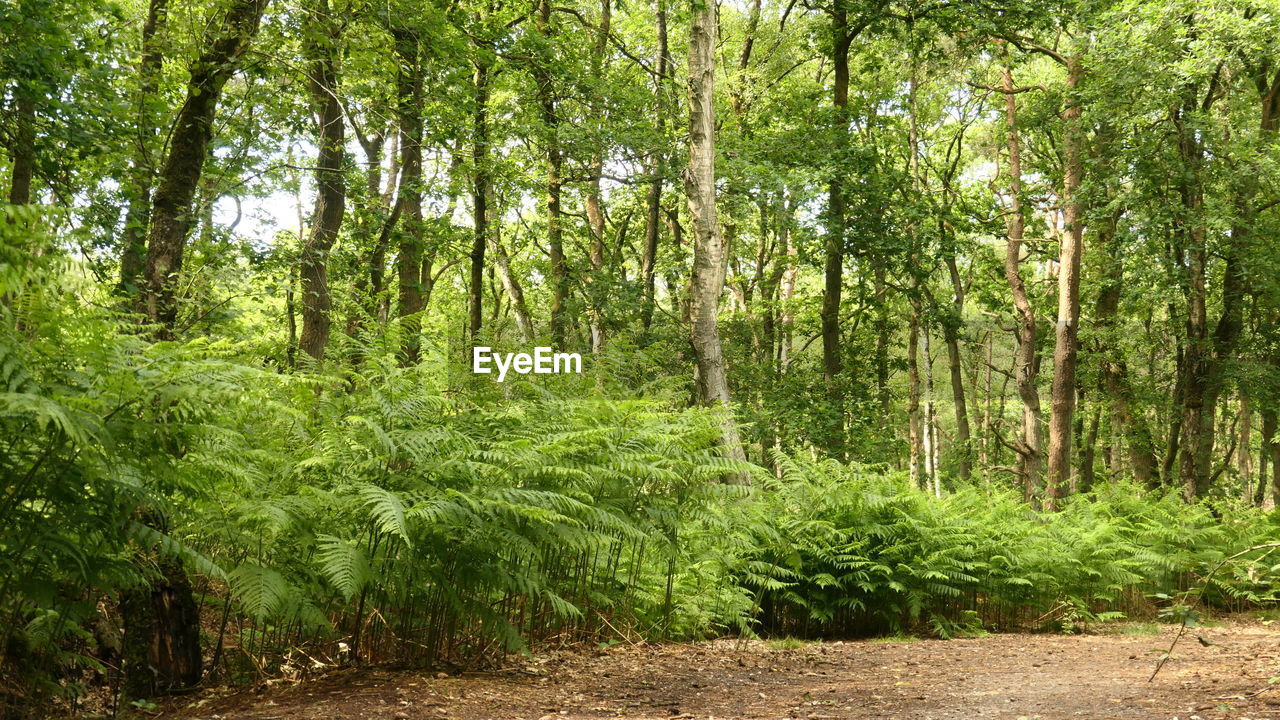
373 512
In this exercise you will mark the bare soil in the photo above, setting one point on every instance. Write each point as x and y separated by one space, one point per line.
1016 676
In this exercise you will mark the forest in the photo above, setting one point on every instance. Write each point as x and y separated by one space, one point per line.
907 318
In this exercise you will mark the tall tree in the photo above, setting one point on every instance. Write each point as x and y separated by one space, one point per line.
1027 363
322 48
172 210
546 94
480 191
655 167
411 299
1063 391
137 218
842 37
708 244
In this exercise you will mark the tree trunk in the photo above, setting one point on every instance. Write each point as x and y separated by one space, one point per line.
1205 356
1063 393
1027 365
554 182
1270 456
884 331
931 449
502 264
1085 478
331 193
951 334
1244 447
479 199
708 248
915 425
595 222
833 267
171 211
161 649
1129 425
595 211
133 256
23 151
410 300
656 167
786 318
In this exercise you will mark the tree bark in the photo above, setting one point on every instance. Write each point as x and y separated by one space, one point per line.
708 248
331 196
1206 356
951 335
1244 447
1086 475
1063 391
23 150
133 256
371 207
1027 364
161 649
479 199
915 424
554 182
833 265
410 298
595 211
786 317
171 211
656 167
1270 456
502 264
931 449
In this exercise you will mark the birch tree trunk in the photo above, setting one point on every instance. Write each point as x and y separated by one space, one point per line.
915 424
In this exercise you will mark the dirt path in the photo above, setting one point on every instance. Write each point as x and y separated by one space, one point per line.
1003 676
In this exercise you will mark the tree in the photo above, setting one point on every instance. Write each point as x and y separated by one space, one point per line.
323 49
171 208
1027 363
138 217
1063 392
708 244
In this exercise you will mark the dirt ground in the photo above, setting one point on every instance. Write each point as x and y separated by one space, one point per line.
1017 676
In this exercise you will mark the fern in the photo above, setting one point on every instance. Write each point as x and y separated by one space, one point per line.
343 564
259 591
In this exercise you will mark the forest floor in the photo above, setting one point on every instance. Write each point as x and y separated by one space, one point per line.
1015 676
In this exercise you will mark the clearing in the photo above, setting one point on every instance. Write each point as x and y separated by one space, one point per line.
1031 676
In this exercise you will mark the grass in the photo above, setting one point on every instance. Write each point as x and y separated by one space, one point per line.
894 639
786 643
1131 628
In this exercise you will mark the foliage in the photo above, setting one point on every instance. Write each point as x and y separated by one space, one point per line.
295 449
860 551
377 514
